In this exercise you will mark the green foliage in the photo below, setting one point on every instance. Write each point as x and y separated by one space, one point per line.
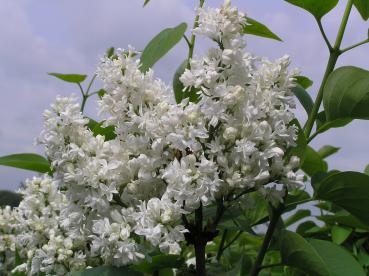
340 233
318 8
160 45
73 78
313 162
323 125
110 52
317 257
363 7
159 262
297 252
146 2
327 150
349 190
178 87
346 94
305 82
303 97
107 271
338 261
254 27
8 198
26 161
101 93
97 129
300 214
239 268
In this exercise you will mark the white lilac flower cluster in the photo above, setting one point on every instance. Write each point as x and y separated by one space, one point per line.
113 201
34 232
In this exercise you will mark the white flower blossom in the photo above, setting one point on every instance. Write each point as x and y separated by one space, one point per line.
113 201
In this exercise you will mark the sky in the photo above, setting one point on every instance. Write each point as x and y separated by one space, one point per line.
69 36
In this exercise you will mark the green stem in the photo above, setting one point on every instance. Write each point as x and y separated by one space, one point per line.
300 202
276 213
324 35
312 136
354 46
191 44
233 240
333 56
200 243
221 245
343 25
90 84
270 266
84 99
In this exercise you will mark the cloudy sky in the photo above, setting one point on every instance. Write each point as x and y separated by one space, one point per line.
68 36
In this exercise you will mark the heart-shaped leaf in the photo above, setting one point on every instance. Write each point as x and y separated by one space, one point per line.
317 257
318 8
349 190
363 7
346 94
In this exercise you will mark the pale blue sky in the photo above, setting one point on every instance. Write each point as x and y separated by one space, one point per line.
68 36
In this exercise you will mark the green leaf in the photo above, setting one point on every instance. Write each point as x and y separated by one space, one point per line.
303 97
323 125
110 52
26 161
159 262
349 190
340 234
101 93
300 214
107 271
346 94
317 257
73 78
160 45
97 129
344 219
305 82
307 228
178 87
363 7
254 27
108 132
318 8
8 198
313 163
327 150
146 2
338 261
297 252
239 268
294 198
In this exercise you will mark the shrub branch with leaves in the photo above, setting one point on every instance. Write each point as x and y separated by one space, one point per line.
200 179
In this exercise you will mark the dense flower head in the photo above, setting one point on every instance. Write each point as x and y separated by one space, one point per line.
113 201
